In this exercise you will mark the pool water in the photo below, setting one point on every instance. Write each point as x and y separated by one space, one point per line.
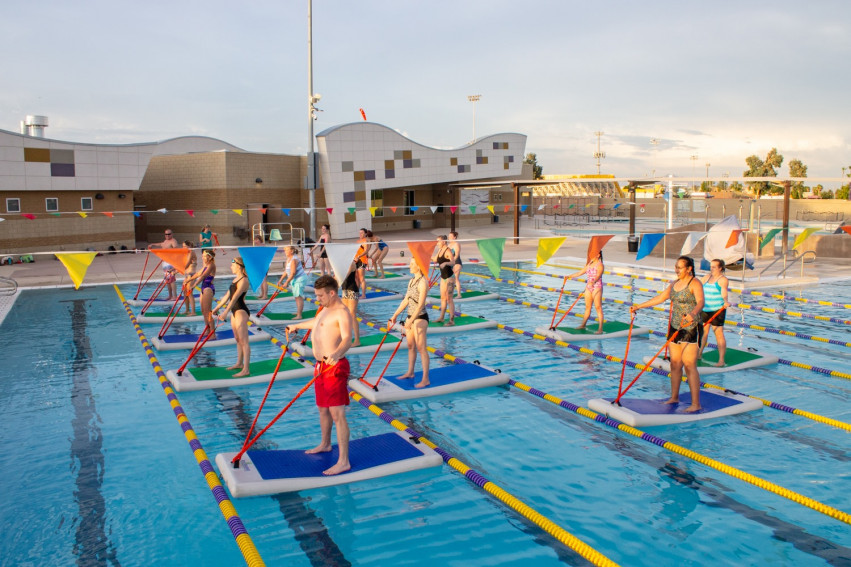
100 472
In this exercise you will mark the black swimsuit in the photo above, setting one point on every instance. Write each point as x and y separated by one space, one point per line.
446 272
239 302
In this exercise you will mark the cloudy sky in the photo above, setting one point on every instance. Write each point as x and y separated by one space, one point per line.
719 80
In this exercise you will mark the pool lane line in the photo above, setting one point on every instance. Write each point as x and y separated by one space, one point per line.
747 306
526 511
238 530
740 291
623 302
712 463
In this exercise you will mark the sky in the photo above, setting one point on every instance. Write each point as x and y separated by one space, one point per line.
718 80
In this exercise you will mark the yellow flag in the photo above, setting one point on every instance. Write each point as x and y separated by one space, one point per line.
372 210
490 208
803 236
76 263
82 214
547 247
238 211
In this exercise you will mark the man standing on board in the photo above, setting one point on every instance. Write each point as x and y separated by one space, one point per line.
332 337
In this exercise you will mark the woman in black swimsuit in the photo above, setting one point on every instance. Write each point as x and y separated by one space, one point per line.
416 324
319 254
235 301
445 261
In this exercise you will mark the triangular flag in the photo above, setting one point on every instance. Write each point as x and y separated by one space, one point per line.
507 207
547 247
372 211
107 213
330 210
691 241
55 214
214 211
601 207
769 236
648 243
82 214
393 209
541 206
77 263
571 206
28 216
257 260
491 250
452 209
308 211
352 210
163 210
523 208
803 236
2 219
137 214
589 205
433 209
341 257
413 209
262 210
176 257
734 237
286 212
421 251
596 244
846 228
490 208
472 209
616 205
237 211
190 212
557 205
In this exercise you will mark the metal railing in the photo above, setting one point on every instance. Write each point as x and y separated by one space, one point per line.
277 232
8 286
792 256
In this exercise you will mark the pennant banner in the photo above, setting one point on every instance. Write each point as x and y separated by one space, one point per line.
137 214
472 209
108 214
257 260
352 210
453 208
523 208
77 264
769 236
491 250
847 229
421 251
341 257
237 211
596 245
190 212
372 211
691 241
506 208
490 208
330 210
648 243
308 211
82 214
214 211
286 211
433 209
547 247
734 237
175 257
803 236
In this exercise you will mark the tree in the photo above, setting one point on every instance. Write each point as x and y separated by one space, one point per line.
797 169
842 193
537 170
760 168
826 194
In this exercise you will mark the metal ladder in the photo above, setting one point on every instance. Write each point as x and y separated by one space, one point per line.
8 286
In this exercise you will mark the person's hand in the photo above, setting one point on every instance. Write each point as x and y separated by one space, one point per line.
391 321
633 309
222 316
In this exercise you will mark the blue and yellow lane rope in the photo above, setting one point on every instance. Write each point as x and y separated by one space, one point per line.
695 456
240 533
514 503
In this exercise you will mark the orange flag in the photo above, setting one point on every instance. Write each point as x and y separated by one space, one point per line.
422 254
174 256
734 237
596 245
846 229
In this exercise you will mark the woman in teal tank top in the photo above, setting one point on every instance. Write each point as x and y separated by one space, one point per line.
715 286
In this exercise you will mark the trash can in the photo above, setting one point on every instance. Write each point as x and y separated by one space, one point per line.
495 219
418 224
632 243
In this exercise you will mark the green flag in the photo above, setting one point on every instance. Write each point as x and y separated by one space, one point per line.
769 236
491 250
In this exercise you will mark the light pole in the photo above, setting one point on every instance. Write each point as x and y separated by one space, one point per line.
474 99
707 175
312 98
598 155
693 170
655 143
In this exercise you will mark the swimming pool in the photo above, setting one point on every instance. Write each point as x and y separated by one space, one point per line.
102 474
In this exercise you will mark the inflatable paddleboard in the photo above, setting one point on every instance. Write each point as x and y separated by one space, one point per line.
205 378
224 337
734 359
643 412
443 380
611 330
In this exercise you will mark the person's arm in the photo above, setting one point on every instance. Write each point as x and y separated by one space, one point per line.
725 284
402 306
224 300
190 281
344 322
663 296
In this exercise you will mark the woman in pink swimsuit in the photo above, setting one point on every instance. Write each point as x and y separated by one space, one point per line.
593 271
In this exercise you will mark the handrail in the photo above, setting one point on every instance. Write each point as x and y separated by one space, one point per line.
289 234
803 257
8 286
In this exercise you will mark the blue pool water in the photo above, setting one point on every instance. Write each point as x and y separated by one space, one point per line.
99 471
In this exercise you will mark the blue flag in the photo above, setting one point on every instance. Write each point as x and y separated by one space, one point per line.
648 243
257 260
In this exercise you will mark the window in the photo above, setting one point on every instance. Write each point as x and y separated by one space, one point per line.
408 202
86 204
51 204
377 201
13 205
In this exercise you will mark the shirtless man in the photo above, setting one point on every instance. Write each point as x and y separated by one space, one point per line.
332 337
168 270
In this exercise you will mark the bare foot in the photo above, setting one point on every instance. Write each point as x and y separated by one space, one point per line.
449 323
337 469
422 384
357 343
235 366
691 409
598 332
720 363
242 374
580 328
319 449
672 401
405 376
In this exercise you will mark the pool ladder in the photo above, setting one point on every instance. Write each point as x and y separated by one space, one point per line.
8 286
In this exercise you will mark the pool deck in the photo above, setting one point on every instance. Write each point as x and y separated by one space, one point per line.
127 267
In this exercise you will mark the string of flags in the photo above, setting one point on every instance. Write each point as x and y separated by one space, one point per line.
258 259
